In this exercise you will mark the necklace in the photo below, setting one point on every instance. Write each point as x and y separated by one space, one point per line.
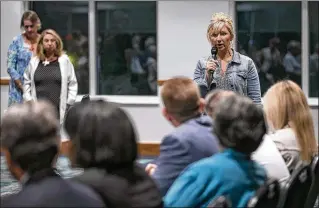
48 60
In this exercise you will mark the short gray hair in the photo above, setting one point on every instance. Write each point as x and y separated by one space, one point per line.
28 131
239 124
213 98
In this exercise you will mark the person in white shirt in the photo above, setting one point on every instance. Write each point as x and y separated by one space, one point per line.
270 158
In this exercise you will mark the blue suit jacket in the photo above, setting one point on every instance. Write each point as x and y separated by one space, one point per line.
229 173
189 142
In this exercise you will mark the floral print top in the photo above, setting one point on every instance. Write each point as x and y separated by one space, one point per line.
18 58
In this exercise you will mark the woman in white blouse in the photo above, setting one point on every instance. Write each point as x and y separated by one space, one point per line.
50 75
290 119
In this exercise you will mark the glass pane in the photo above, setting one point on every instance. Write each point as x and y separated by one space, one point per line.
127 55
270 33
314 48
70 20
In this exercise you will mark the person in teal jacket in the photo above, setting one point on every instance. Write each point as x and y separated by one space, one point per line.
239 126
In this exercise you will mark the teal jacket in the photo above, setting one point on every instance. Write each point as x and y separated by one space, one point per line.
229 173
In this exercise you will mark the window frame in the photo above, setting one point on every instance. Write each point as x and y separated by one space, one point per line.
312 101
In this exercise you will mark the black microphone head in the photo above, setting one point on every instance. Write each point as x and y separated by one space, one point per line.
213 51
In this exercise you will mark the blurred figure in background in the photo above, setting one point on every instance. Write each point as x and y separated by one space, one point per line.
20 51
292 61
271 69
115 58
78 52
151 67
30 141
314 72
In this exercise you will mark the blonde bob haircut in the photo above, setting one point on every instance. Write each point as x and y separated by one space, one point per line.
59 44
286 105
218 21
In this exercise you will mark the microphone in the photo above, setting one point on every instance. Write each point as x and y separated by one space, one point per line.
214 51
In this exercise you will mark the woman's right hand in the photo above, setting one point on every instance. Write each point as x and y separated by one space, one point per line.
211 66
19 85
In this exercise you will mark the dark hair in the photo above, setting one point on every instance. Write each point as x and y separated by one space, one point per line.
239 124
30 133
103 135
32 16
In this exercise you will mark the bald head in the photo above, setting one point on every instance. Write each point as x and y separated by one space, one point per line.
212 99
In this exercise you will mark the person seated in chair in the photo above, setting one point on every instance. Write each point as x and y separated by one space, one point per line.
30 138
267 153
240 126
190 141
104 144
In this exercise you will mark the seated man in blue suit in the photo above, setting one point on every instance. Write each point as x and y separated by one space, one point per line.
29 138
191 140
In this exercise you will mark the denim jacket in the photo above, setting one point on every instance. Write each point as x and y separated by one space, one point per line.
241 72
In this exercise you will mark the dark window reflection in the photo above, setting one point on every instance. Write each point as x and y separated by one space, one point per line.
270 33
70 20
314 48
127 54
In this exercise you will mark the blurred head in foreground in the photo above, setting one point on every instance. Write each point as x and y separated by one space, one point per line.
30 137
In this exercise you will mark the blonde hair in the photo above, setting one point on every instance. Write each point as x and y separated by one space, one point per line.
286 105
218 21
33 17
181 98
59 44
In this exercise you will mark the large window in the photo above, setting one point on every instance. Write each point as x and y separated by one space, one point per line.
313 11
126 48
70 20
270 33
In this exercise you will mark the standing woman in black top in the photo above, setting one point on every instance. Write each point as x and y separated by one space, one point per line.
50 75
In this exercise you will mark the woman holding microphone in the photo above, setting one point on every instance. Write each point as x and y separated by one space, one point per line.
225 68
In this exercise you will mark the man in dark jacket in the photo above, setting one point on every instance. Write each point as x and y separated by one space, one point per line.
29 138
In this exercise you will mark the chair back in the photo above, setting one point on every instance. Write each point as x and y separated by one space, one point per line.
314 190
266 196
296 190
220 202
85 98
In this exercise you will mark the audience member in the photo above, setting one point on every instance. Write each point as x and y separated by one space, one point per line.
290 122
104 143
191 140
213 98
29 137
267 153
239 126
